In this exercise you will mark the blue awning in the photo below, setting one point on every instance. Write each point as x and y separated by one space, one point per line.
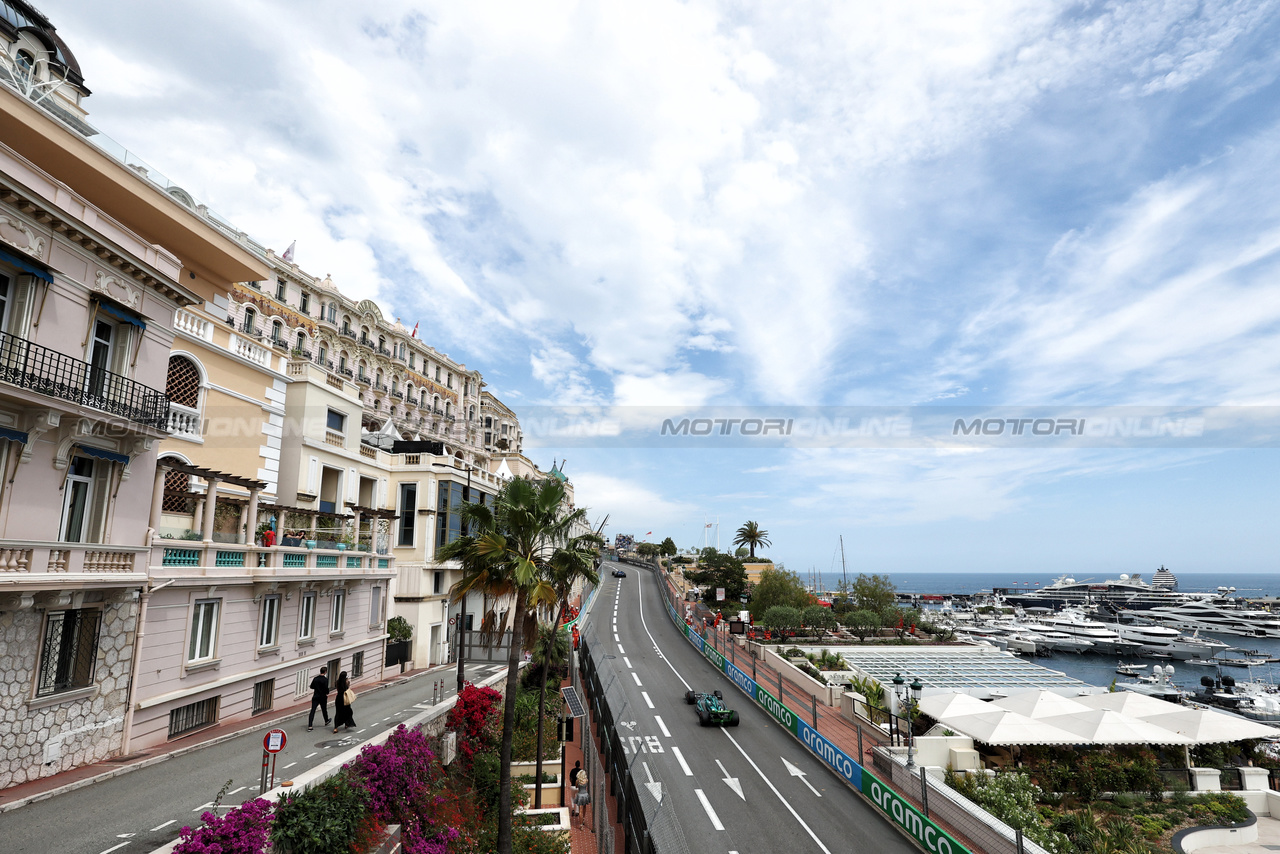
26 265
120 313
99 453
14 435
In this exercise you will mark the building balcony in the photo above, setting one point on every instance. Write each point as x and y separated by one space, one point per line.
184 422
346 372
380 386
280 343
250 329
347 333
53 374
398 395
31 564
194 559
364 380
384 351
327 364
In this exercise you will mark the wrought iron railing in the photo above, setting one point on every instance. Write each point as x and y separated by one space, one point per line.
55 374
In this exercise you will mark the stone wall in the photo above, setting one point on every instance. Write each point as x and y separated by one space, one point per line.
60 732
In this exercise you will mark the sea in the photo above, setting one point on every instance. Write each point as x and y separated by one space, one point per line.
1098 669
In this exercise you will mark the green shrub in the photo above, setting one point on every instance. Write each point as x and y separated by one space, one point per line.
328 818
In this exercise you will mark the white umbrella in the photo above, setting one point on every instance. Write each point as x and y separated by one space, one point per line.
1130 703
1002 727
1201 726
939 706
1103 726
1040 704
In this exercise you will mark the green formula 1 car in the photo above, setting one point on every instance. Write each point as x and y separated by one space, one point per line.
711 709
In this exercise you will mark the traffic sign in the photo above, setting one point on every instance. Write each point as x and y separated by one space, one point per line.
274 740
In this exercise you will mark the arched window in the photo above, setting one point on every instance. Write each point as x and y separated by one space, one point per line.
277 330
26 61
301 343
177 489
183 384
382 342
250 321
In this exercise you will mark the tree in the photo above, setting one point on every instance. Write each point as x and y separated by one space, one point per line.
818 617
720 570
863 622
874 593
781 618
778 586
647 550
740 552
751 535
508 555
668 548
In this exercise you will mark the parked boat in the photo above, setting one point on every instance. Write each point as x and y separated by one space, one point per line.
1130 669
1253 700
1103 639
1220 614
1127 592
1164 642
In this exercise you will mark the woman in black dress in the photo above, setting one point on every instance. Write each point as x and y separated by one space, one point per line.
342 712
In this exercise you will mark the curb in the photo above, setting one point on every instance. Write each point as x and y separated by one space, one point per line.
182 751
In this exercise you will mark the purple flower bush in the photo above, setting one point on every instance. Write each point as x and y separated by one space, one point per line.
243 830
402 778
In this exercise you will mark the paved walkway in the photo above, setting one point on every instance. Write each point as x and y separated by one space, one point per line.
1268 841
46 787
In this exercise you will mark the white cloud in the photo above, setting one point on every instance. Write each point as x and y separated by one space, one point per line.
629 503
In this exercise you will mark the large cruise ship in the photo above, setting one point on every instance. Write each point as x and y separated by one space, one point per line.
1128 592
1221 614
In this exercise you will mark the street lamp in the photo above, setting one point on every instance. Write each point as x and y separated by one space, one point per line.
916 688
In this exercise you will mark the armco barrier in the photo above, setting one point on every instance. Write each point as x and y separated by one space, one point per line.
900 811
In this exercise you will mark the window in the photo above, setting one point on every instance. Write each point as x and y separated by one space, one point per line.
193 716
375 607
264 695
488 438
357 665
280 289
437 581
338 611
488 422
68 651
322 355
250 321
342 362
84 500
307 618
304 303
183 383
449 383
204 630
451 497
301 343
336 421
277 328
26 61
269 629
335 669
408 512
412 358
437 373
4 302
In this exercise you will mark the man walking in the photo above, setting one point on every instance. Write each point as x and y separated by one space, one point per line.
319 697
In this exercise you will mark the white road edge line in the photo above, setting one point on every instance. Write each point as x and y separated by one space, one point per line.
676 750
711 814
684 766
662 726
647 701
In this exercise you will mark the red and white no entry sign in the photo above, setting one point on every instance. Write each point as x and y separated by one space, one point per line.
274 740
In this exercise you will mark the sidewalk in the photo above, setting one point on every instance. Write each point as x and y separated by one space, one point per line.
67 781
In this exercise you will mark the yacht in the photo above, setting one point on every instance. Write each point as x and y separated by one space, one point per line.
1165 642
1057 640
1220 614
1127 591
1104 639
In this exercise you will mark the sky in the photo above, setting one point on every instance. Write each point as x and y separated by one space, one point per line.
694 204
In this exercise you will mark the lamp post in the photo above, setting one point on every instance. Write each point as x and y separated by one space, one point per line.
916 688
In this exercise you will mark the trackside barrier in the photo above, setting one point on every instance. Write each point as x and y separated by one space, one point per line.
933 838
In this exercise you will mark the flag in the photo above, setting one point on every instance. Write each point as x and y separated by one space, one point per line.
649 533
288 253
708 525
414 333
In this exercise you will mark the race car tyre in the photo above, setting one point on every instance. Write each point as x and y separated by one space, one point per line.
719 696
733 719
703 718
689 698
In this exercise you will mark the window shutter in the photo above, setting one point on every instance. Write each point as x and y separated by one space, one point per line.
313 475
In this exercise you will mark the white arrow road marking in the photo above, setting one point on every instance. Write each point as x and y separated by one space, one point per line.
731 781
163 826
647 701
655 789
774 788
711 814
684 766
796 772
662 726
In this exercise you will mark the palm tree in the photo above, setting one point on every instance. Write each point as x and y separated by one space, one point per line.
750 535
508 553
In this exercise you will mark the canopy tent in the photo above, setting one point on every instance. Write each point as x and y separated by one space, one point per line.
1003 727
1103 726
1040 704
1201 726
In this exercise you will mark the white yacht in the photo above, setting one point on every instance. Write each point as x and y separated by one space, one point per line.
1104 639
1056 639
1165 642
1221 614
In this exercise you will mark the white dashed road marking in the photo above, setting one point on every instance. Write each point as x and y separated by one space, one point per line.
647 701
684 766
711 814
163 826
626 661
636 676
662 726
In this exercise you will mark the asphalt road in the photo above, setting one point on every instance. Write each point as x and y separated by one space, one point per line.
746 789
140 811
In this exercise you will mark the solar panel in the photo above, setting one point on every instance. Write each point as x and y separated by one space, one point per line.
576 708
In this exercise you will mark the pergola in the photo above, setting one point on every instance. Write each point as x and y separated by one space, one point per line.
206 505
